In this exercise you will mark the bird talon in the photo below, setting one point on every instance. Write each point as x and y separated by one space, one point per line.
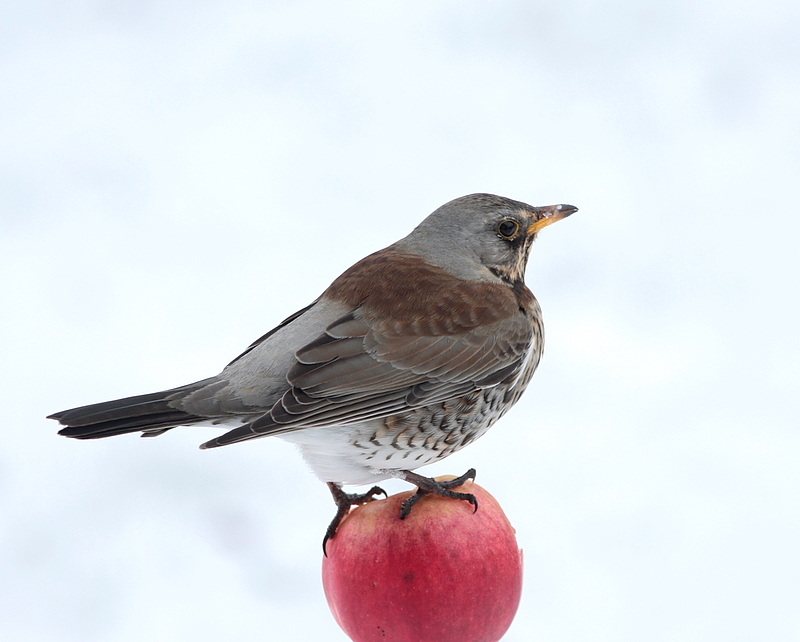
430 486
344 502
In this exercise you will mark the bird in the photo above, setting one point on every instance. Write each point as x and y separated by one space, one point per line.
408 356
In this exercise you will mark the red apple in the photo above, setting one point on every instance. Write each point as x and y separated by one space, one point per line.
443 574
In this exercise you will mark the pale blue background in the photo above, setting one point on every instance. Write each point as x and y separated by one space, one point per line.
177 177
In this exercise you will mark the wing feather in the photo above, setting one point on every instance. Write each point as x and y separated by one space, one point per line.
384 358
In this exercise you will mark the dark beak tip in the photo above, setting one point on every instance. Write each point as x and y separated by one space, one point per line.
566 210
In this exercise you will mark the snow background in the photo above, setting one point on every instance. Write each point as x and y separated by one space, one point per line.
177 177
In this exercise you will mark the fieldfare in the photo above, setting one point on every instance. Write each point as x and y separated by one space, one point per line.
411 354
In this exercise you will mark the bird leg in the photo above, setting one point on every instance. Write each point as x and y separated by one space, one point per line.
429 486
425 486
344 502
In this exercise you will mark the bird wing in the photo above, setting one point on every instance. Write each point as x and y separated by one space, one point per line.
370 364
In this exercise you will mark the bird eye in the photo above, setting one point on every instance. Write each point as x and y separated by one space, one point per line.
507 229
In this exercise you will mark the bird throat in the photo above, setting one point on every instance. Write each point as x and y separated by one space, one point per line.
515 281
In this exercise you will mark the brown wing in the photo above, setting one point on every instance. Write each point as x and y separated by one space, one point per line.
399 349
341 379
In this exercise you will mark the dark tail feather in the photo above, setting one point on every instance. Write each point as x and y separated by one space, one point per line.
154 413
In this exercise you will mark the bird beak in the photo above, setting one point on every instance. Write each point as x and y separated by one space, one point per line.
550 215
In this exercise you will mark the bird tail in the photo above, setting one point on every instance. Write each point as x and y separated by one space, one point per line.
152 414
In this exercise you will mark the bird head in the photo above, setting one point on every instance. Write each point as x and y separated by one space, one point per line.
481 234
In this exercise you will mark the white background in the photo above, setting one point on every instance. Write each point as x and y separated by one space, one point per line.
177 177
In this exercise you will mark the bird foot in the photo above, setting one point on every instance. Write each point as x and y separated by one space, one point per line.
344 502
429 486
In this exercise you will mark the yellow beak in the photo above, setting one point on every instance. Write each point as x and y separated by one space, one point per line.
549 215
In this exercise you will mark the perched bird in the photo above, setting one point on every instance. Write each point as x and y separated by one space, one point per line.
408 356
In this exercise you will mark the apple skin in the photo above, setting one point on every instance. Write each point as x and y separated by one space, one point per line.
443 574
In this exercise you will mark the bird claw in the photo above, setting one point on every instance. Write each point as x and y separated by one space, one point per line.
344 502
429 486
425 486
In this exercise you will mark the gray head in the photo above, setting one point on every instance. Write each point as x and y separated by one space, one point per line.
482 236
